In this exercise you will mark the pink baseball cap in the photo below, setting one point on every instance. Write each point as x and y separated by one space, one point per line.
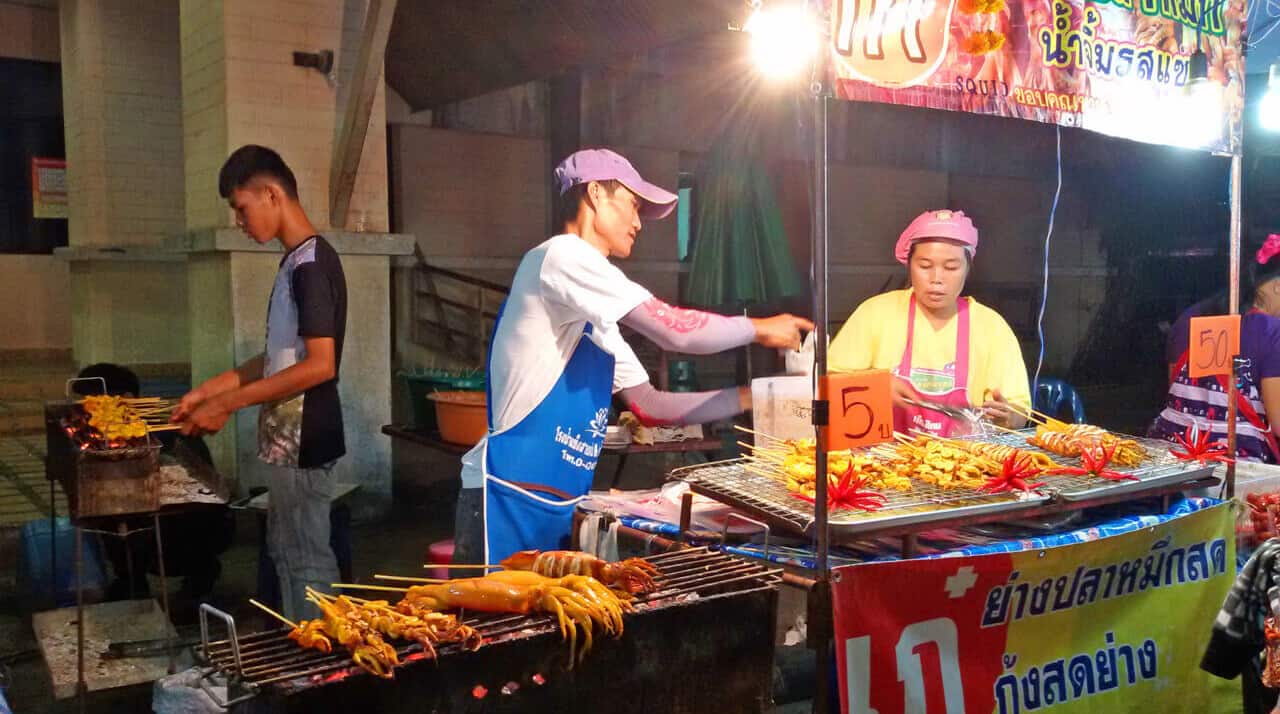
937 225
604 165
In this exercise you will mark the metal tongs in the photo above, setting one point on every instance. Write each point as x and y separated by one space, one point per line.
974 417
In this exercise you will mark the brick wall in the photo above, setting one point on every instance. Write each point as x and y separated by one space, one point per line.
295 110
204 110
122 105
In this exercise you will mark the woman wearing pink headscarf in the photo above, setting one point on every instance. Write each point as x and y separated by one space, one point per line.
943 349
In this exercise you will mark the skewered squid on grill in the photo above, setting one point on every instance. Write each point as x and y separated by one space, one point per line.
633 575
368 649
575 600
1002 452
1073 439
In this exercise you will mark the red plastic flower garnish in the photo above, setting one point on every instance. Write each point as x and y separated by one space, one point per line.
1197 447
1016 475
847 492
1094 462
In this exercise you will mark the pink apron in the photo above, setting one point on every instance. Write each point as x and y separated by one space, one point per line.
907 417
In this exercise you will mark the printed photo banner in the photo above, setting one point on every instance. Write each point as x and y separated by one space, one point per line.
1119 67
1113 625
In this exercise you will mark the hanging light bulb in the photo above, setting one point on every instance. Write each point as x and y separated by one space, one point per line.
1204 104
1269 107
784 39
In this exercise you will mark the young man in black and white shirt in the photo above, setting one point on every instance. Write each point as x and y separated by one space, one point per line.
295 379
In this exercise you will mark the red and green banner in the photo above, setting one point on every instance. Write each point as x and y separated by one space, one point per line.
1119 67
1114 625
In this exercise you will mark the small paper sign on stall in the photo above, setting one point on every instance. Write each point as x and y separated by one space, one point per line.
48 188
1113 625
1119 67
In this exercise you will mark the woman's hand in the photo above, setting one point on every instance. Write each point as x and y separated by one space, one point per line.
998 411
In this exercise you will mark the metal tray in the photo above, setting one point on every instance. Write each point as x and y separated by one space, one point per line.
767 498
1161 468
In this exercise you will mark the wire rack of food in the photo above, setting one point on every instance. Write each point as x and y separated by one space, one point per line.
918 478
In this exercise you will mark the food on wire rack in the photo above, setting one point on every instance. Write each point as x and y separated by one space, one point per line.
363 627
310 635
943 463
792 461
849 493
1016 474
1197 447
1094 462
633 575
575 600
1001 452
343 623
1074 439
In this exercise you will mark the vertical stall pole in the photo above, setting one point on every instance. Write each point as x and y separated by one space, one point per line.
1233 294
823 633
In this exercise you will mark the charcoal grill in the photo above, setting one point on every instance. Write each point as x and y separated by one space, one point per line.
108 482
928 506
703 641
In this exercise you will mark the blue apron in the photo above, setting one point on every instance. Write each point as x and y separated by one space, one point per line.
538 471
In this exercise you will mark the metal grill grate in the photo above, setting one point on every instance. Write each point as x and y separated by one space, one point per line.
732 483
268 658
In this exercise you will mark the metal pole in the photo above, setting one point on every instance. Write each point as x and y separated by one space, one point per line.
824 632
820 316
1233 294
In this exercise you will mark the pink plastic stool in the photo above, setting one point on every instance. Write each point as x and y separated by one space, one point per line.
440 553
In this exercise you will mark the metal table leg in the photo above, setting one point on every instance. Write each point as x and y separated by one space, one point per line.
53 548
81 687
164 586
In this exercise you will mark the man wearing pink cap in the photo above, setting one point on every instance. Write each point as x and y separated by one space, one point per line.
557 357
944 350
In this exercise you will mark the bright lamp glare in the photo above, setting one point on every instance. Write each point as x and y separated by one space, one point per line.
1203 113
1269 110
1269 107
783 40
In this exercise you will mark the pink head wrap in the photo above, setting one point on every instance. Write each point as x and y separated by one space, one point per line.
944 225
1269 248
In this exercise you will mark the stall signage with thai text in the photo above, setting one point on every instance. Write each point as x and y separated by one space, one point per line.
1113 625
1119 67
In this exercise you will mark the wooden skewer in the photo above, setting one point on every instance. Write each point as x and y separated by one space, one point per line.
1006 429
166 427
1031 415
273 613
764 460
357 586
461 566
407 579
764 449
767 474
758 433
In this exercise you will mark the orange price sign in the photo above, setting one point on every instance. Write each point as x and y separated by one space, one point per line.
861 408
1214 342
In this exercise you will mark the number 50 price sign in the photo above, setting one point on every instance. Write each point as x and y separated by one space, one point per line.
1214 341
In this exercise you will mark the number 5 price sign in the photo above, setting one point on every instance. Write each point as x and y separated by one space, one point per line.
861 408
1214 342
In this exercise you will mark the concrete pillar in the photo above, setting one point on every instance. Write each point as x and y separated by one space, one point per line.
122 109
